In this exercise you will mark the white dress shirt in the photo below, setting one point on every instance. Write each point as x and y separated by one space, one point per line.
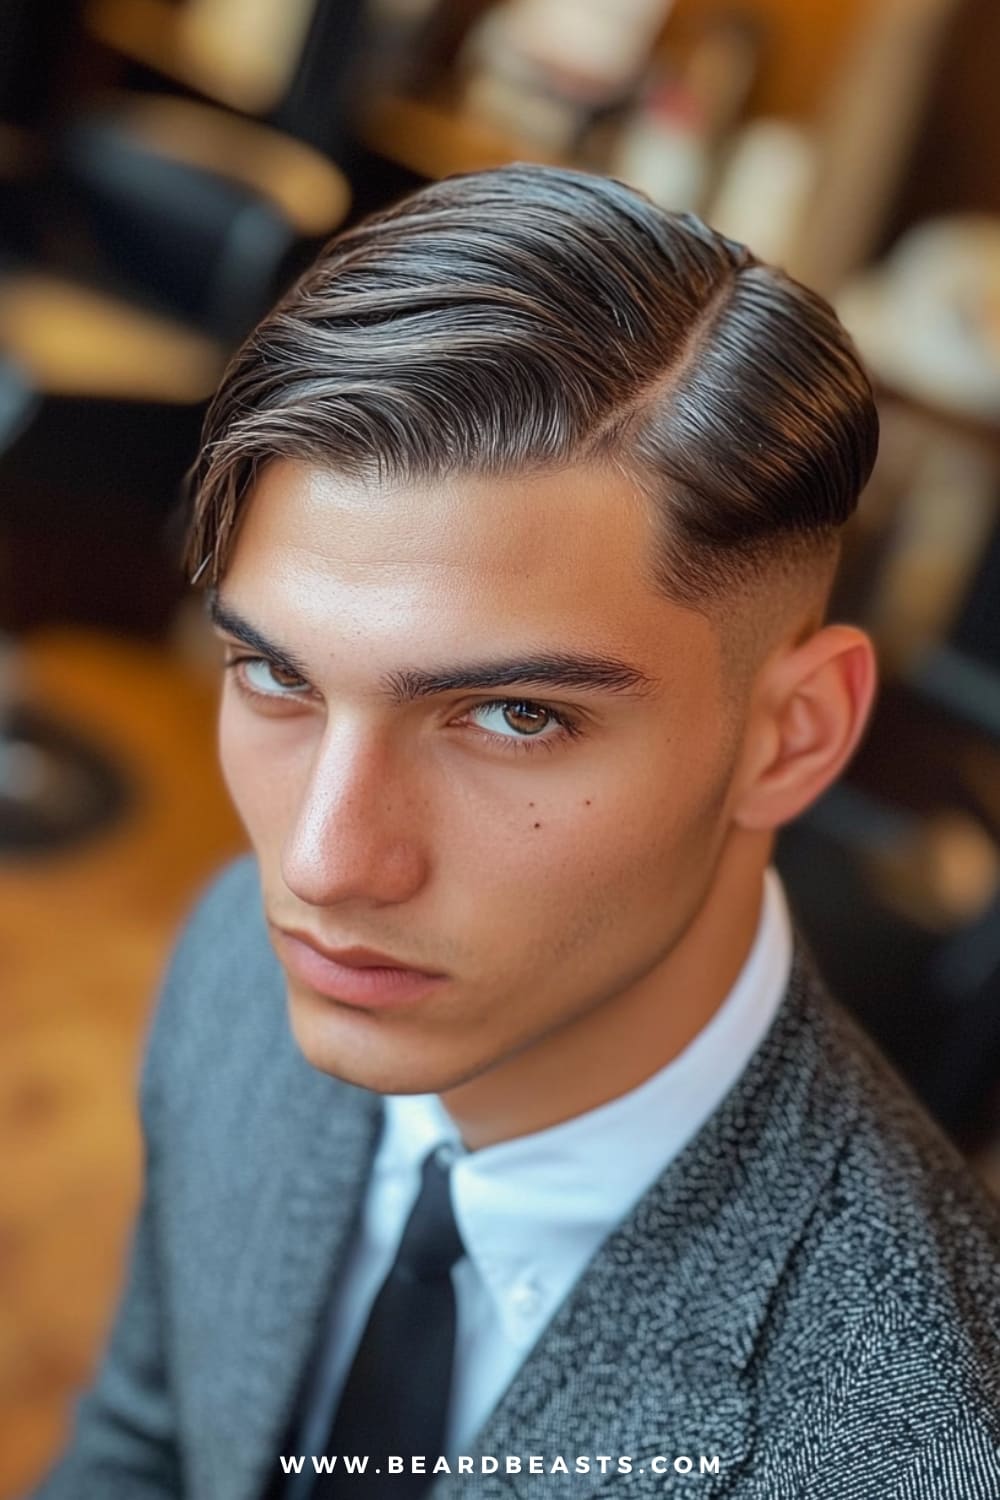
532 1211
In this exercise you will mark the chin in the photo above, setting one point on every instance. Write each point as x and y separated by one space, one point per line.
351 1046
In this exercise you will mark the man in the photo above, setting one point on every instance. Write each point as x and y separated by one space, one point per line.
519 517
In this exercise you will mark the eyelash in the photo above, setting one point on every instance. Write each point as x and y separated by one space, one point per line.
569 728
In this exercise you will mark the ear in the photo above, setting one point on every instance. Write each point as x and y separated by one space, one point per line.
811 705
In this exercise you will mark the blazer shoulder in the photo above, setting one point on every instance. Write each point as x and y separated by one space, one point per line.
883 1306
222 981
227 908
895 1169
896 1269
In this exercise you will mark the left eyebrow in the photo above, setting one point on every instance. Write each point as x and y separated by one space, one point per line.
548 669
561 670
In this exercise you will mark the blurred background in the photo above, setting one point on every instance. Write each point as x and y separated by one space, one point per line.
166 168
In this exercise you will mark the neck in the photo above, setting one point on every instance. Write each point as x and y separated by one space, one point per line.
616 1045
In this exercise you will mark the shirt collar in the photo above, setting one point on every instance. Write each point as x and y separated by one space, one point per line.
539 1199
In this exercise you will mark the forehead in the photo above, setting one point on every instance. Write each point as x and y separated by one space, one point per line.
562 557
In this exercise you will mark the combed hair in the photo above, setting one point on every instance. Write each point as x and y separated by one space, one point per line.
530 318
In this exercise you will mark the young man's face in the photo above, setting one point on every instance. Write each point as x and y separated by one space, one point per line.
546 875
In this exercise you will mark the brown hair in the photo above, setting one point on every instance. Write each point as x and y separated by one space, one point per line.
530 318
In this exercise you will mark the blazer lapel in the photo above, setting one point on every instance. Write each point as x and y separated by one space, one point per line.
648 1356
324 1135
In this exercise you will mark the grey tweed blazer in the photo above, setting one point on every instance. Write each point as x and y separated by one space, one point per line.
810 1292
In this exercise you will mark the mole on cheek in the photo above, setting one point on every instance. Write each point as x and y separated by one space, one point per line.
538 825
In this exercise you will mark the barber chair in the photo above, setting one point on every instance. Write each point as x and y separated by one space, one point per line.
141 235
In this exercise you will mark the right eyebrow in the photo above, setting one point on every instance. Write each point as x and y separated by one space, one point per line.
225 618
570 671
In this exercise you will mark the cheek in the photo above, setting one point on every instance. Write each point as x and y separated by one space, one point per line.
624 852
564 862
254 770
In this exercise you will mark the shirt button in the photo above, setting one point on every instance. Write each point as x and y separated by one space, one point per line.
525 1298
447 1154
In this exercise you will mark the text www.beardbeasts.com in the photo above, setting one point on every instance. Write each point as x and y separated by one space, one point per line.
511 1463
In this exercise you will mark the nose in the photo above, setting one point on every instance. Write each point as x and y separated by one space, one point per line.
353 835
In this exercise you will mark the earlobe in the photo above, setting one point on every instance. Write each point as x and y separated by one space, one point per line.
813 706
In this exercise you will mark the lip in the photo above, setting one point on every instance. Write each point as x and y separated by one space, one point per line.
357 976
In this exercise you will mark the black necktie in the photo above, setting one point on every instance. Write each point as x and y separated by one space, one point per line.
395 1398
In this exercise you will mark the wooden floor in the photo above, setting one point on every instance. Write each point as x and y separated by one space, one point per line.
83 938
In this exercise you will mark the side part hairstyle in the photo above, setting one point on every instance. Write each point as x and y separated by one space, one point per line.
530 318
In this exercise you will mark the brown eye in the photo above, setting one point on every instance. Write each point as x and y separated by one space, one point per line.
526 718
266 679
283 677
517 724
